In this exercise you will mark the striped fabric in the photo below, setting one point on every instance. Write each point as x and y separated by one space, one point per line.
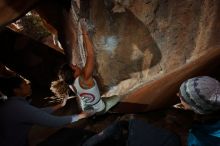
202 94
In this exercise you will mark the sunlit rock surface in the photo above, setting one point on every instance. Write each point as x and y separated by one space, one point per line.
138 40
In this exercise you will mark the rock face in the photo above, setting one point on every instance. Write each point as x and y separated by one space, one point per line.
29 58
140 40
146 48
12 10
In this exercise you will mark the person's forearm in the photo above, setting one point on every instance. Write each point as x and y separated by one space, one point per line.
33 115
90 58
88 45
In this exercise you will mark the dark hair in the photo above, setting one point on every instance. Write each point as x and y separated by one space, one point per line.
67 74
8 84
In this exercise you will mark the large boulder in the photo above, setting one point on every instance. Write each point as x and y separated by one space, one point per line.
144 49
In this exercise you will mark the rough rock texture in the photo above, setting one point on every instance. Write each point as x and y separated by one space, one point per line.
13 9
146 48
27 57
35 27
140 40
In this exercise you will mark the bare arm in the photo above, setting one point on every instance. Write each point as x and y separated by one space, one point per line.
90 58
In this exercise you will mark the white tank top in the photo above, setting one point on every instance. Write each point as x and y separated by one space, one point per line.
89 97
